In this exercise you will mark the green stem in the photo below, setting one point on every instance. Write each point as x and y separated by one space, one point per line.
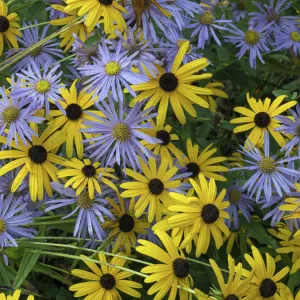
58 238
34 25
51 222
55 268
64 59
204 264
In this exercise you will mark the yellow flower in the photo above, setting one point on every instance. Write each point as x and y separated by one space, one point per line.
292 207
152 188
265 283
71 123
205 213
175 87
109 10
201 296
173 270
16 295
216 92
260 118
9 27
202 163
125 226
236 287
104 283
85 174
67 36
37 160
166 148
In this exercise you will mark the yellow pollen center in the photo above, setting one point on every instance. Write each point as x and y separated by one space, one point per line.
112 68
43 86
267 165
181 42
84 200
295 36
10 114
121 132
3 226
206 18
251 37
234 196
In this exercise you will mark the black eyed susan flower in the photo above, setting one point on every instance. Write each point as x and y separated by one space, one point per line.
86 174
152 188
173 270
37 159
261 118
109 10
205 213
125 226
265 283
175 86
202 163
8 27
237 286
165 148
104 283
15 296
76 106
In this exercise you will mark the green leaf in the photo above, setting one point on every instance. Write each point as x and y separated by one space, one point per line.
278 93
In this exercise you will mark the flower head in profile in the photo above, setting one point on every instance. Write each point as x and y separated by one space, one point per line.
214 87
47 53
175 87
84 53
125 226
110 73
239 10
104 282
265 283
15 115
8 27
40 86
91 212
261 118
119 135
171 271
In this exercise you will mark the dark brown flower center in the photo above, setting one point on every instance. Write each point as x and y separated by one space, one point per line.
193 168
4 24
73 111
108 281
126 223
38 154
106 2
262 119
267 288
181 268
89 171
168 82
164 136
231 297
156 186
210 213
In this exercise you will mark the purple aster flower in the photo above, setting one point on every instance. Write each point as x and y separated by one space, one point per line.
110 72
205 28
12 218
120 135
238 201
152 19
55 14
45 54
291 127
288 38
271 13
15 114
41 86
253 40
90 212
268 171
239 10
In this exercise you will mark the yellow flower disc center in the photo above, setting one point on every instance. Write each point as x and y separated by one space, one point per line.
251 37
181 42
267 165
10 114
206 18
121 132
84 201
112 68
234 196
295 36
43 86
3 226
